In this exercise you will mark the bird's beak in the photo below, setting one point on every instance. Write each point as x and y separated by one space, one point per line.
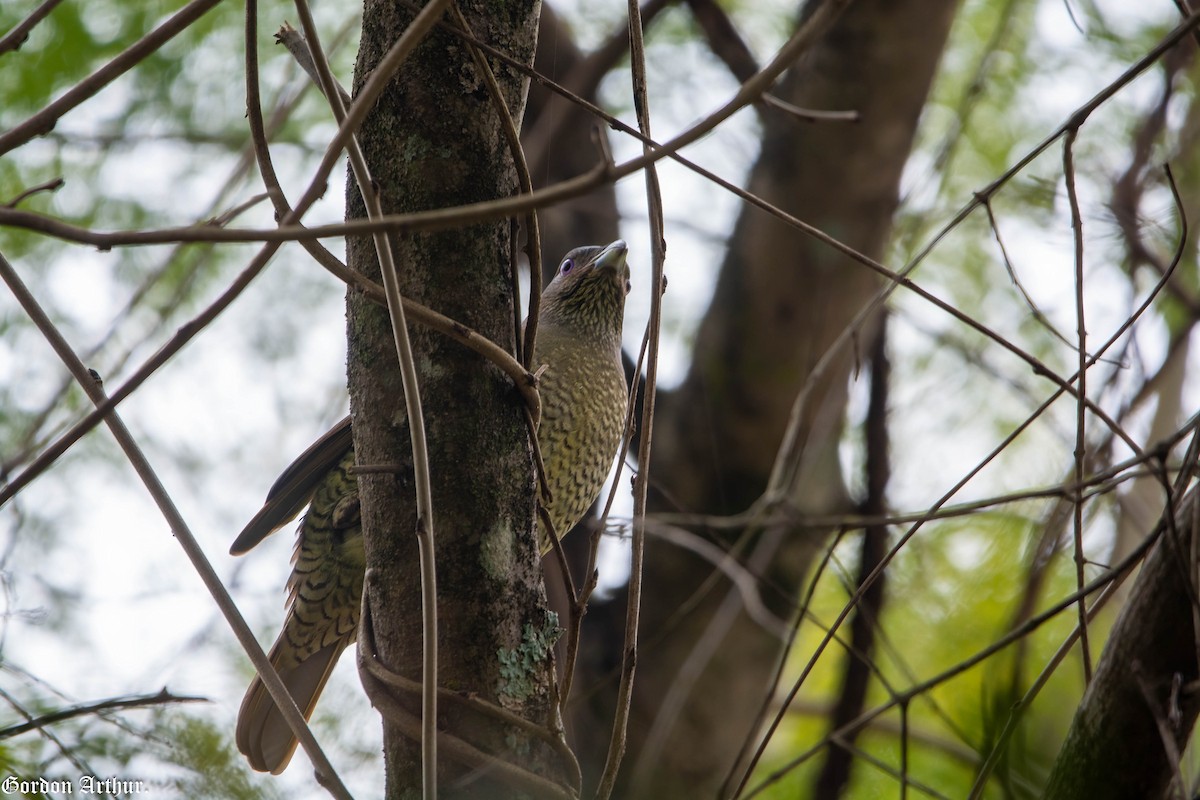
612 259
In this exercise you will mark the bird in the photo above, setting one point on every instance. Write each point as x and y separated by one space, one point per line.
584 400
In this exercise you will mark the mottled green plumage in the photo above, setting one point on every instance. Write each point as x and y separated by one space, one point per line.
583 387
583 413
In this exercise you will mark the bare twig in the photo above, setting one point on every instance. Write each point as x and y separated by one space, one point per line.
44 121
1098 584
432 220
907 536
1101 481
1037 313
369 191
52 185
814 28
616 746
160 698
279 693
51 454
810 114
16 37
182 336
439 219
523 380
1081 405
1075 120
379 681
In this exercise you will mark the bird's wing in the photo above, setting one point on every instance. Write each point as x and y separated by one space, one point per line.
295 486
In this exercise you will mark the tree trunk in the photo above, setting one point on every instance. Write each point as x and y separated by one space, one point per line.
1139 710
781 299
434 139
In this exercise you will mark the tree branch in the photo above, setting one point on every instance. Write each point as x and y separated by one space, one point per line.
20 32
160 698
44 121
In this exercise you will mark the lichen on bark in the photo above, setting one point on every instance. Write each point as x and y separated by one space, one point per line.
433 140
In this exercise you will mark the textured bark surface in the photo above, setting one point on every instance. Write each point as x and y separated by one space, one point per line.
1138 707
434 139
781 299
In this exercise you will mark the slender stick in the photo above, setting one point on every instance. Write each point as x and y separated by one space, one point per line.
161 698
408 372
1081 404
20 32
43 121
1115 574
442 218
439 219
907 536
616 745
326 774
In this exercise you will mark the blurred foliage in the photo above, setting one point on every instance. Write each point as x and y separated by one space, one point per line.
952 593
214 767
176 753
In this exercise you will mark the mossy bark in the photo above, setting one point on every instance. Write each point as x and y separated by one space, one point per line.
434 139
1134 712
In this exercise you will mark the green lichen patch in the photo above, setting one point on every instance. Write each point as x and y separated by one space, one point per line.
521 670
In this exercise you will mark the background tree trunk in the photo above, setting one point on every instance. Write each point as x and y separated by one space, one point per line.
781 299
1139 710
434 139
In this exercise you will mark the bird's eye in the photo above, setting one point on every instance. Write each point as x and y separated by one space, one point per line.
628 287
566 267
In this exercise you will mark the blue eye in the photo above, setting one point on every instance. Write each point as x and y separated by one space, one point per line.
566 267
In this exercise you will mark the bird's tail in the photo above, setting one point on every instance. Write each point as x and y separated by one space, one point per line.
262 734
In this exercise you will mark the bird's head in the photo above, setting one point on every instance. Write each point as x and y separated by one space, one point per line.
588 291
